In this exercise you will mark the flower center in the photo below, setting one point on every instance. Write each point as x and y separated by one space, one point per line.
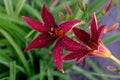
56 31
92 43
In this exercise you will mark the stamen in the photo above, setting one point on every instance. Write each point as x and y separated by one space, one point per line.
52 29
50 33
56 31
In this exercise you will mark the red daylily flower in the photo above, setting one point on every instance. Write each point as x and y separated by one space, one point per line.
50 32
92 42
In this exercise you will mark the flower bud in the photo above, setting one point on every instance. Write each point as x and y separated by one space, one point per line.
68 10
108 6
61 15
111 28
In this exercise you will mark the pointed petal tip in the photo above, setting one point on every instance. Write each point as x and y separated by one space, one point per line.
94 13
44 6
62 71
25 50
24 17
77 62
94 24
47 17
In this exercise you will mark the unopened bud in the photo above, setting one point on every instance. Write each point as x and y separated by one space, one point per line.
54 4
61 15
111 28
111 68
68 10
108 6
81 5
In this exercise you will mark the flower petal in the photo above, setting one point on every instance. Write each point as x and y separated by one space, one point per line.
71 45
58 55
70 56
76 54
82 56
82 35
67 26
38 26
93 25
47 17
41 41
100 31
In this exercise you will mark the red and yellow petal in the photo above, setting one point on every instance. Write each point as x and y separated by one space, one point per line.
69 25
58 55
41 41
93 25
102 51
36 25
48 17
71 45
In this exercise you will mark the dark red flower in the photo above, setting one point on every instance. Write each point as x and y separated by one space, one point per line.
50 32
92 42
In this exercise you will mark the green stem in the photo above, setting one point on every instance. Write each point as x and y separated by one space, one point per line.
115 59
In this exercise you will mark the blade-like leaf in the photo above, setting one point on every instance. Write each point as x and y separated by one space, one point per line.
17 49
19 6
9 7
12 70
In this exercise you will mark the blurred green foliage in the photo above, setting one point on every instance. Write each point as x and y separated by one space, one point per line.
15 35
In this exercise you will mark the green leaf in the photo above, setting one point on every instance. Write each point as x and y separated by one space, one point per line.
9 7
3 74
61 75
39 3
81 71
17 49
4 59
49 74
78 69
96 4
42 70
33 11
19 6
3 42
13 70
29 34
95 67
79 14
12 19
112 38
